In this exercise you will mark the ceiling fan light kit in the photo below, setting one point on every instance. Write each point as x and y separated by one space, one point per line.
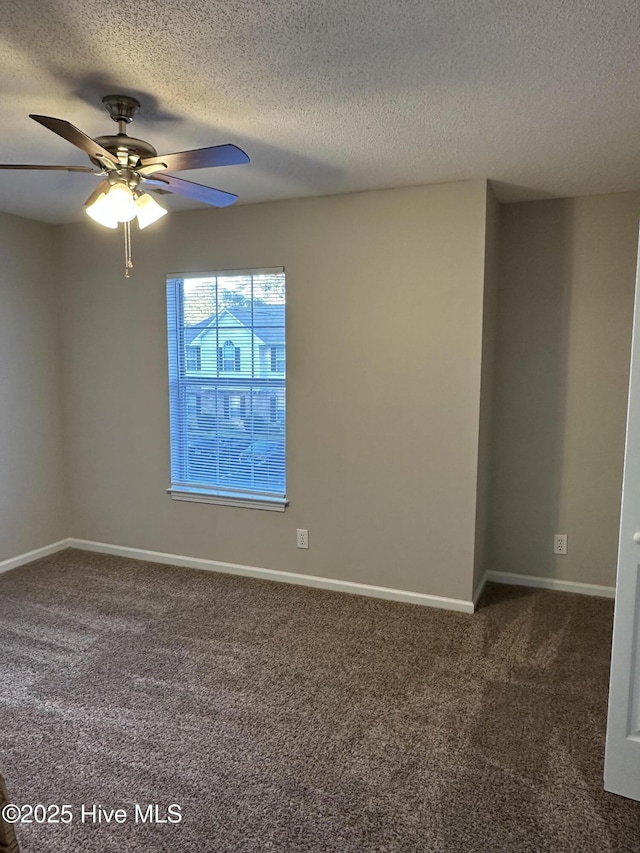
125 164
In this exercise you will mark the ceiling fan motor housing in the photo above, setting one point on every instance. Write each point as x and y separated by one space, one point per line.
135 149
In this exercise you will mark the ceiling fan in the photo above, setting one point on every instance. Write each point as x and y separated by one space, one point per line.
129 167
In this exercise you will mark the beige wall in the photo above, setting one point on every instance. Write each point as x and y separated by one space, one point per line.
388 460
385 301
31 470
564 333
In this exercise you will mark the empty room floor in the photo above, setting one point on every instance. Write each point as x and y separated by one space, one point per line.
284 718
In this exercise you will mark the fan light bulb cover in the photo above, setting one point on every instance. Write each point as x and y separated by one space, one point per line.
149 211
121 203
101 213
116 205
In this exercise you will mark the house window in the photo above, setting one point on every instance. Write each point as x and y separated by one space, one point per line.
228 422
277 362
193 358
229 357
194 405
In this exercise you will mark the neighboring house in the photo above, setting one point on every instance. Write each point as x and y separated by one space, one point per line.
243 343
237 363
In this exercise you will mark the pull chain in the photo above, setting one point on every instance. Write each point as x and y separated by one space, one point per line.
128 263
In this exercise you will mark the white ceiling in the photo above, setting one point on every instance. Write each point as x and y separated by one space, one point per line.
329 96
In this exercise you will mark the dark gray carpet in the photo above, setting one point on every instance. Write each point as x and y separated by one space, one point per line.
289 719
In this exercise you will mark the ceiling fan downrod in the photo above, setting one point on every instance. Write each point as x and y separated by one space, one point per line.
122 109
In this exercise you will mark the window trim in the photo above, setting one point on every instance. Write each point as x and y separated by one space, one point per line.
221 499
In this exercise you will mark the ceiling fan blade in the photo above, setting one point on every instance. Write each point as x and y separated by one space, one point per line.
200 158
209 195
76 137
52 168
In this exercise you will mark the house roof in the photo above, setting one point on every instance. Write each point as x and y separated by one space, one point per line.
268 323
192 332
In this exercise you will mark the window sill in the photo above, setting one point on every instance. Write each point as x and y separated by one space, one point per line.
248 502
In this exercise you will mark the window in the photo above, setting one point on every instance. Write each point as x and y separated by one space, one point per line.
277 363
229 357
194 406
193 358
228 421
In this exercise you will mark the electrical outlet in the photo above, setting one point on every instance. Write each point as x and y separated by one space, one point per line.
560 543
302 538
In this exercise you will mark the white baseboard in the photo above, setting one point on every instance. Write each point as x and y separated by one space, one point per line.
30 556
457 604
552 583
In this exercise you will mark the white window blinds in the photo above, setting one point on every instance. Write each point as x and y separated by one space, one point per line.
226 334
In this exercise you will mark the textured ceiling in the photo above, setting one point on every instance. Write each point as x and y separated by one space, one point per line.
329 96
